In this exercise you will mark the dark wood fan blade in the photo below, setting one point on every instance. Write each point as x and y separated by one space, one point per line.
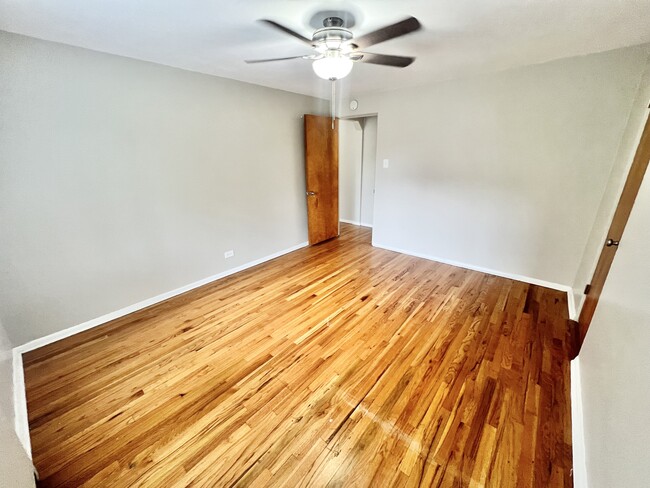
253 61
286 30
389 32
385 59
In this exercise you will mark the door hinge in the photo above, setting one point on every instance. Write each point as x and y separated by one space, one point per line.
587 289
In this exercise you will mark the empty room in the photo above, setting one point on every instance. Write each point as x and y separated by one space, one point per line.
350 243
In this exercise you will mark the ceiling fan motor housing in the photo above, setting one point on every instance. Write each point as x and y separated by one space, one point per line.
332 35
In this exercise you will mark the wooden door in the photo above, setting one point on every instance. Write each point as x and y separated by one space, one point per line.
625 203
322 171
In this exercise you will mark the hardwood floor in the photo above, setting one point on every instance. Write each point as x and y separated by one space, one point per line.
336 365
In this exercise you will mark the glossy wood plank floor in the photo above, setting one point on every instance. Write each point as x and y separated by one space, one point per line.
336 365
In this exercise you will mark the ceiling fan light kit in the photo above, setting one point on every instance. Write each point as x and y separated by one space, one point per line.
333 66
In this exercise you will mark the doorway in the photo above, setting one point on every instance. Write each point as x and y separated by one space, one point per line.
615 233
357 166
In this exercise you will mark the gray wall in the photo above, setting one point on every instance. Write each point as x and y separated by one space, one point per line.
615 364
6 377
503 171
122 179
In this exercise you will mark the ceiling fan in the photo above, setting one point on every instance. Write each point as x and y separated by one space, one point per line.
336 48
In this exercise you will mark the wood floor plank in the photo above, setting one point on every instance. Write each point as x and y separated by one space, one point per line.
336 365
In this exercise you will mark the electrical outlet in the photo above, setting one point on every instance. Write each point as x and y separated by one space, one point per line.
228 254
386 163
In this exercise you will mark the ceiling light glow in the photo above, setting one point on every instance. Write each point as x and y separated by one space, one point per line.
333 66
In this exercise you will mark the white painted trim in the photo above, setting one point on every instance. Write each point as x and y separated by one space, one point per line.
579 300
20 398
526 279
355 222
577 428
347 221
21 423
571 303
62 334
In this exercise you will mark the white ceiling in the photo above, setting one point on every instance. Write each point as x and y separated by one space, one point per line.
460 37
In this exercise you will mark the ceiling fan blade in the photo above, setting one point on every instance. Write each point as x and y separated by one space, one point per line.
385 59
286 30
253 61
392 31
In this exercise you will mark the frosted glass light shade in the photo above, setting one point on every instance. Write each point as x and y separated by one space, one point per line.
332 67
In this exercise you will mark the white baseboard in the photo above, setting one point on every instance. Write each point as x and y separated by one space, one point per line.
347 221
577 428
20 398
21 423
62 334
579 302
571 302
356 222
526 279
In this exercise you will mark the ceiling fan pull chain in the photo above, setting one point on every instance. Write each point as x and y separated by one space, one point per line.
332 101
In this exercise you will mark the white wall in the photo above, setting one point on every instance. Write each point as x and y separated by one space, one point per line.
615 364
503 171
122 180
350 148
368 171
15 466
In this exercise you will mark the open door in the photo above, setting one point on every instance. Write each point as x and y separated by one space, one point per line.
621 216
322 172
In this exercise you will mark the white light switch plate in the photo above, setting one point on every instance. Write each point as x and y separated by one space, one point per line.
385 163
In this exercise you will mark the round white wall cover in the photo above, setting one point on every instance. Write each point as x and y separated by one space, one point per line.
354 105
